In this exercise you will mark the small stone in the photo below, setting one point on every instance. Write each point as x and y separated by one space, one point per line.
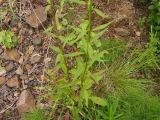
122 32
35 58
19 71
12 54
37 42
26 102
138 34
13 82
9 67
2 80
37 17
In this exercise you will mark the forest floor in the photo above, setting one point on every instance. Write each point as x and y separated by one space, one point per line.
23 67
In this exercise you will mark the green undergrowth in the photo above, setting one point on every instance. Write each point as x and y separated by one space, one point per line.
137 104
154 20
37 114
8 39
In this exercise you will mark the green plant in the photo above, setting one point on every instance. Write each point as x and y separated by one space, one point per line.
36 114
154 19
73 89
141 22
137 104
8 39
154 16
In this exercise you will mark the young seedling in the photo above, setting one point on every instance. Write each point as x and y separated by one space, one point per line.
8 39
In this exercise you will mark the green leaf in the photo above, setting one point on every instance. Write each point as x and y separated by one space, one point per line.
79 69
78 2
85 95
47 8
97 76
59 59
56 49
9 33
88 83
100 13
75 112
98 101
90 51
57 16
99 34
100 27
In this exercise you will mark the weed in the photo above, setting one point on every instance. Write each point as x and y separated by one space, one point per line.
154 19
73 90
141 22
154 16
140 105
8 39
36 114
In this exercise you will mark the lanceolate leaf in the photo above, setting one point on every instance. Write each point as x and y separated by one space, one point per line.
56 49
85 95
78 1
100 13
102 26
99 101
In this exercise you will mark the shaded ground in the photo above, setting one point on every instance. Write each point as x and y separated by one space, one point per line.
24 65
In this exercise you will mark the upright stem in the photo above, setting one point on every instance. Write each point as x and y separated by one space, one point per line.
90 4
53 11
